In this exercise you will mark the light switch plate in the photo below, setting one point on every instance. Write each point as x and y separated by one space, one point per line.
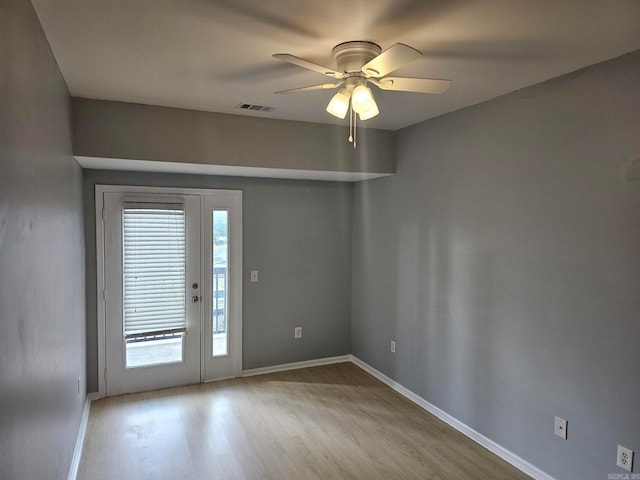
254 275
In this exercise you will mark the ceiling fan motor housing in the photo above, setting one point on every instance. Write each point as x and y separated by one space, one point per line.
351 56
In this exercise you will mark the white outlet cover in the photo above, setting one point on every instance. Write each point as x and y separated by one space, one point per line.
393 346
254 275
560 427
625 458
297 332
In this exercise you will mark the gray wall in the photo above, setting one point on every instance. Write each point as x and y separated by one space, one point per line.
42 314
504 258
297 234
107 129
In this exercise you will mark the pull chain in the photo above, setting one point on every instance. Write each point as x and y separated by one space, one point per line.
355 129
353 126
350 123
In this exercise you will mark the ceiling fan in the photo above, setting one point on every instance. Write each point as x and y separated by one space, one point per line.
359 63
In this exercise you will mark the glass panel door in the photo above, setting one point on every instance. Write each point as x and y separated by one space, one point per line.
152 294
170 306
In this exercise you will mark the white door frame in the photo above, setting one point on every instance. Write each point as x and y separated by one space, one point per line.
235 301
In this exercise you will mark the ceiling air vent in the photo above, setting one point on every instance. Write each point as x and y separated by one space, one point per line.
255 108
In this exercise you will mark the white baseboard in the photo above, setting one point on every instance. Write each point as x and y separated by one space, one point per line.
77 452
487 443
296 365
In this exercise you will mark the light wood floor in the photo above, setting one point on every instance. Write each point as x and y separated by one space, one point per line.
329 422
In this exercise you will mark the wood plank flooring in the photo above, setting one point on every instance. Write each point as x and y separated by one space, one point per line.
329 422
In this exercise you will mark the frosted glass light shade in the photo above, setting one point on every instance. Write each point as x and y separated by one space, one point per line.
339 104
362 98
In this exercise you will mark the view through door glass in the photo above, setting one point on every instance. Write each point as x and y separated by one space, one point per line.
219 312
154 279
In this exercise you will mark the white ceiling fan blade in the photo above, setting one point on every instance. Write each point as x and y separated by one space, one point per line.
301 62
323 86
391 59
419 85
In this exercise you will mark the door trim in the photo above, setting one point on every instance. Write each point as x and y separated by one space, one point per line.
100 268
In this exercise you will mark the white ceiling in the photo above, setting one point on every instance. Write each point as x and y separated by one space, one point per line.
214 54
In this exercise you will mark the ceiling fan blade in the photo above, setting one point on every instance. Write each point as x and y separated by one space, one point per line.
419 85
301 62
323 86
391 59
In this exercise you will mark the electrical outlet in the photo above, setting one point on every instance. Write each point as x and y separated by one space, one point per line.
560 428
625 458
254 275
393 346
297 332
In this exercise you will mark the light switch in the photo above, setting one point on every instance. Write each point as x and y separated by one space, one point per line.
254 275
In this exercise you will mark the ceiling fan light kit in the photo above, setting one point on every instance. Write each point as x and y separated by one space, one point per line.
360 62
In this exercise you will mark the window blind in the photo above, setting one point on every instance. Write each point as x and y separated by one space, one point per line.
153 269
